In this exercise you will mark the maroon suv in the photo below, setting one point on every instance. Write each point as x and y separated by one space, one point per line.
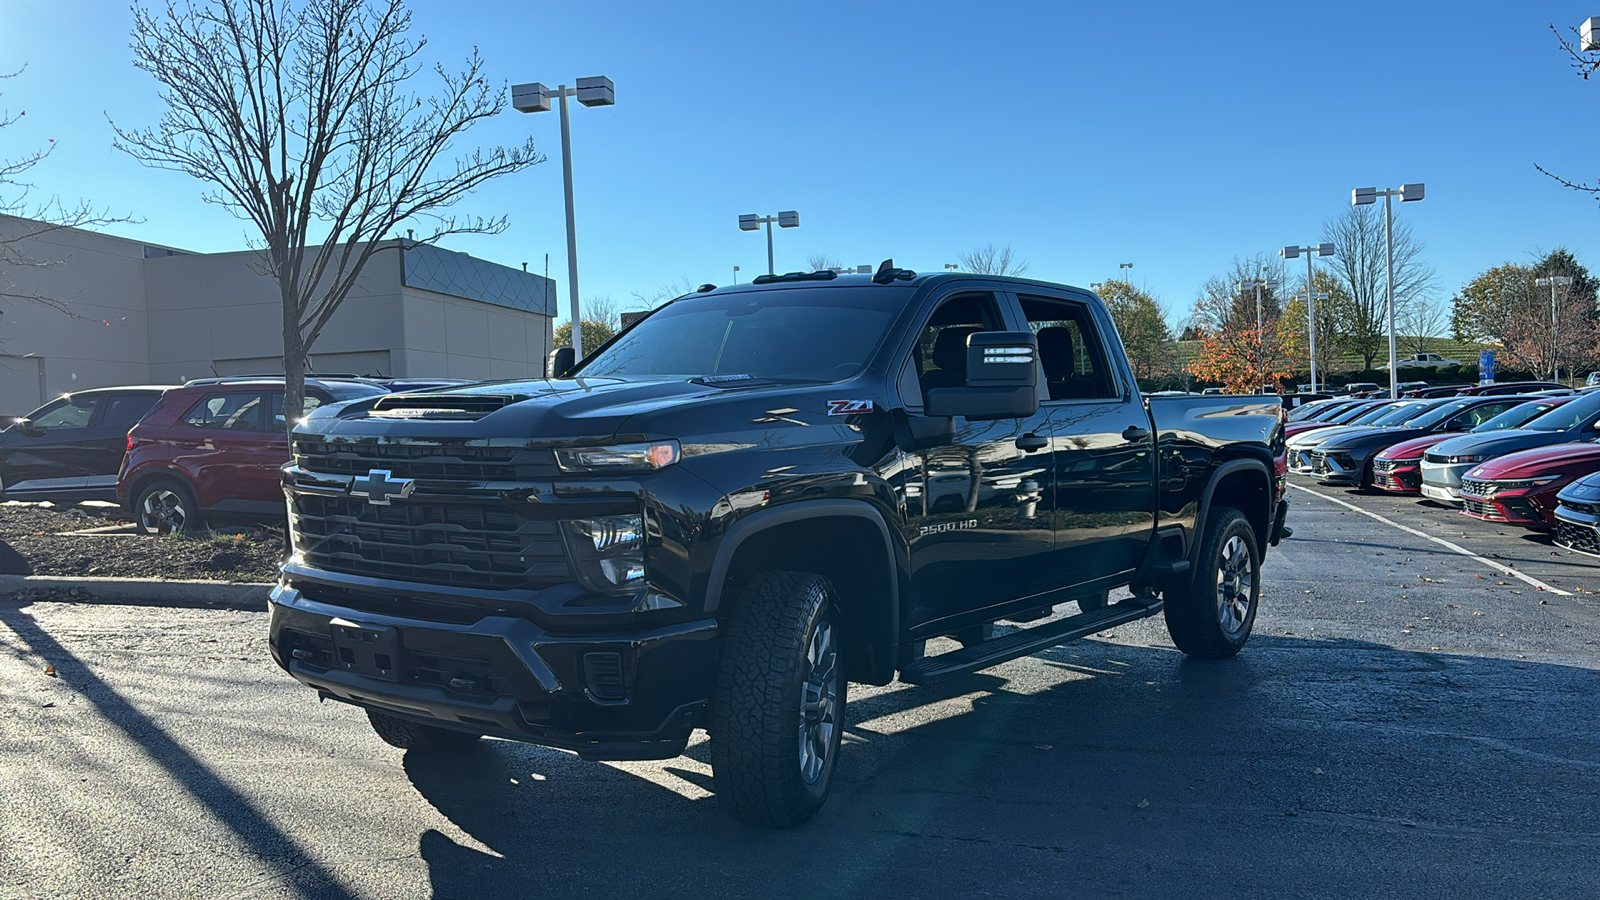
211 449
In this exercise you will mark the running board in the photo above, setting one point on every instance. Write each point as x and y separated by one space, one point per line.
933 669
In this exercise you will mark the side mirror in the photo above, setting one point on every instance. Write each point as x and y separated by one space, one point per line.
562 360
25 426
1002 379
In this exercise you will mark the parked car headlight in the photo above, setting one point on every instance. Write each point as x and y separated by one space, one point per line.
1468 458
607 552
1520 484
650 456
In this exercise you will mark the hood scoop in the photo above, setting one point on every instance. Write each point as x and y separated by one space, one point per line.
453 406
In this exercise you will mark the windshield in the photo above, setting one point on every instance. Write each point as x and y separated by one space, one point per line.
786 335
1400 412
1360 410
1441 412
1311 412
1570 415
1518 416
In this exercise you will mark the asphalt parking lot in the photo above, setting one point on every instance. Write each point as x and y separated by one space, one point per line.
1412 719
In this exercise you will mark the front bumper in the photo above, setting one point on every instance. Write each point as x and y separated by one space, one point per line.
632 695
1397 476
1336 468
1579 529
1442 482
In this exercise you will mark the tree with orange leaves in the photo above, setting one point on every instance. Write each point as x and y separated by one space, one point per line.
1244 361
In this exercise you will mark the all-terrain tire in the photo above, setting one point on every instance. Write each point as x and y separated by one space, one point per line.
409 735
1212 616
778 711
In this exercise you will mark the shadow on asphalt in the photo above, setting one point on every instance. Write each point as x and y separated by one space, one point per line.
249 827
1125 778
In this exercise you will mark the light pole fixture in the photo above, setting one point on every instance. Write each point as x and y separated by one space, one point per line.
1366 197
1121 266
735 274
1589 33
789 219
1552 282
952 266
529 98
1311 298
1261 362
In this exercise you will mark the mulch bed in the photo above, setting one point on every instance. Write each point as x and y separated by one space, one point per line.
32 543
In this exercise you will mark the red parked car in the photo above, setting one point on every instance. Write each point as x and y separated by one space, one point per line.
211 449
1398 469
1520 488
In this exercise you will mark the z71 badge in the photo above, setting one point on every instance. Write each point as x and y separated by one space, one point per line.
848 407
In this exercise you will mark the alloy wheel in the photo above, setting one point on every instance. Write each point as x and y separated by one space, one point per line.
1235 586
819 701
162 512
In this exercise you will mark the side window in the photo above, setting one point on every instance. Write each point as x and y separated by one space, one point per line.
940 356
1479 415
1070 349
229 412
312 401
72 413
123 411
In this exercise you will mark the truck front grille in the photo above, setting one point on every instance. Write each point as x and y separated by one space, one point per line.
425 460
473 546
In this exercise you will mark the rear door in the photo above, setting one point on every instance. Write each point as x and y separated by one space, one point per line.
1101 450
977 506
107 439
219 440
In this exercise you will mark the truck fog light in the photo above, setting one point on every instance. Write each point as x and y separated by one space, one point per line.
607 553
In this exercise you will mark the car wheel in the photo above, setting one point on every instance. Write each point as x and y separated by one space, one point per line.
1212 617
409 735
778 711
166 506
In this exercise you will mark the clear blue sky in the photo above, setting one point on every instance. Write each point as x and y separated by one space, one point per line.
1173 136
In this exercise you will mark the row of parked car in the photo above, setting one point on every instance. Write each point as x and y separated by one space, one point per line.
175 458
1524 454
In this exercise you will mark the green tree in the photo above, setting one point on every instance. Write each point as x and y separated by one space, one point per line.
594 334
1146 337
1481 309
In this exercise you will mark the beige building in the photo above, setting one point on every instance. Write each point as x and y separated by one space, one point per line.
137 313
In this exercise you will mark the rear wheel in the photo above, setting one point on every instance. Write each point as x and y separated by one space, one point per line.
1212 617
166 506
409 735
778 712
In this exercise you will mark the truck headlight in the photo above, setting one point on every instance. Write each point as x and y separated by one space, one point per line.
607 553
655 455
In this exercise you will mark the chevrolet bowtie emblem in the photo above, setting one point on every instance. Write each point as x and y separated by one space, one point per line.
377 488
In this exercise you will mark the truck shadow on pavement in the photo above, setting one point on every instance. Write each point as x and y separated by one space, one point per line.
1096 769
296 869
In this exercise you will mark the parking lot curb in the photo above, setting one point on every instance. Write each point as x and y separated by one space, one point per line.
159 592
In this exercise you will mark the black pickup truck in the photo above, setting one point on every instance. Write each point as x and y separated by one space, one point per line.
751 497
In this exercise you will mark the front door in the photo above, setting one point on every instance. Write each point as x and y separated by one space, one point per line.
1102 454
49 455
977 519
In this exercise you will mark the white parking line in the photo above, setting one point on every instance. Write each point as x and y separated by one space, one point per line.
1504 570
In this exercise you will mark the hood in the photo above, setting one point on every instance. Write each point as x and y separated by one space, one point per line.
1561 459
1296 428
1313 438
1368 438
1414 448
1497 443
559 411
1585 489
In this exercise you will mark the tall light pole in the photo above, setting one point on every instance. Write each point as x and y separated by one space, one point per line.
1120 267
1365 197
735 274
1261 362
1311 298
594 91
1552 282
789 219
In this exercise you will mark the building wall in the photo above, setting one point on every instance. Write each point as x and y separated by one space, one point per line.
140 314
101 339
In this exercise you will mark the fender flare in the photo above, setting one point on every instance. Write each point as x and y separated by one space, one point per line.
1223 471
763 520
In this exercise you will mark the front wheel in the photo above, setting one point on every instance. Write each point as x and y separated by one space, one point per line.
1212 617
165 506
778 712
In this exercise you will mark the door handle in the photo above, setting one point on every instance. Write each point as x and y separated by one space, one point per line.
1031 442
1135 433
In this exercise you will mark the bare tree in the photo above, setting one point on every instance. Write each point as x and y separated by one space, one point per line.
1357 235
1227 301
991 260
1421 322
1585 64
300 116
663 292
818 262
26 220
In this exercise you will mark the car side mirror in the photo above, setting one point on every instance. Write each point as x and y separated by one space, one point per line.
562 360
1002 379
25 426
